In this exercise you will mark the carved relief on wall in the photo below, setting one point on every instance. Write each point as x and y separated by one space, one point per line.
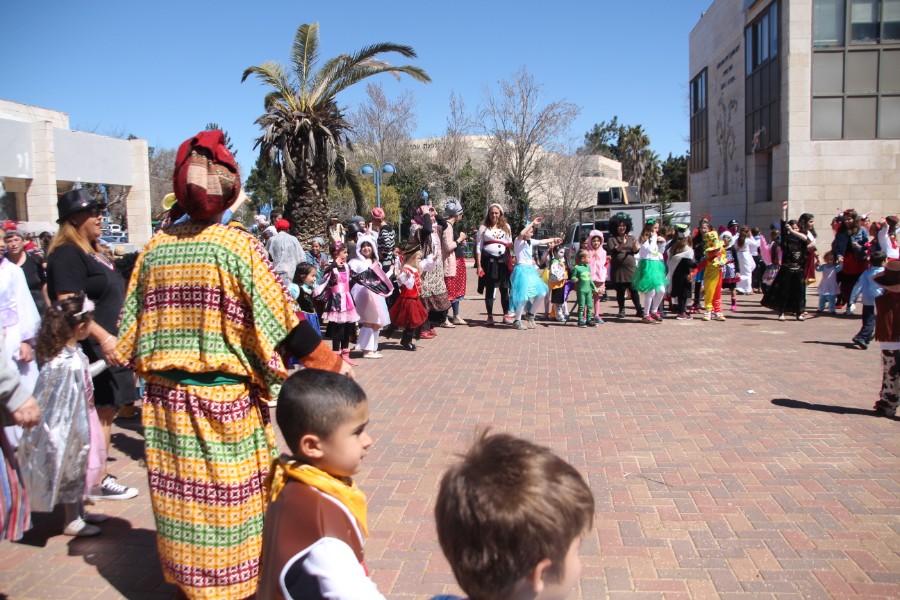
730 173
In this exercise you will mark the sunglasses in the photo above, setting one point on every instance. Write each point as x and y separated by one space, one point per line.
94 211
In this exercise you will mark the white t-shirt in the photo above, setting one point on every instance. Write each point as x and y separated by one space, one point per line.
523 252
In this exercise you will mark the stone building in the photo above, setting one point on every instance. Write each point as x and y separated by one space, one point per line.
797 102
41 157
596 172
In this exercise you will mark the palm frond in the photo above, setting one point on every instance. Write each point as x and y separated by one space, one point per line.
349 77
305 55
382 48
274 75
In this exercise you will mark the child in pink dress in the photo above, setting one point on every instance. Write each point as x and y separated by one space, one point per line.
339 308
599 269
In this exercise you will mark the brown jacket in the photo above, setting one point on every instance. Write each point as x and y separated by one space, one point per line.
887 317
298 518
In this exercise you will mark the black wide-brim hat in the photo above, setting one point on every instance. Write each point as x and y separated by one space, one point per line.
75 201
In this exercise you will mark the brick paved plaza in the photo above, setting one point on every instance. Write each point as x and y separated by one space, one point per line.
736 459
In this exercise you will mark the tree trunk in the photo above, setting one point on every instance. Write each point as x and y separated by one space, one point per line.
307 204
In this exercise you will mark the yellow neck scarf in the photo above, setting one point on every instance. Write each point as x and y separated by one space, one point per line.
284 468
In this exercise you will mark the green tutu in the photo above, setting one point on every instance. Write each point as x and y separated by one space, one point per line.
650 275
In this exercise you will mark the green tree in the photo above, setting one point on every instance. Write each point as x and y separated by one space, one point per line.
212 127
304 129
603 139
263 187
672 184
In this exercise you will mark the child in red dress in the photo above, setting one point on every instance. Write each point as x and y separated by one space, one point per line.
408 311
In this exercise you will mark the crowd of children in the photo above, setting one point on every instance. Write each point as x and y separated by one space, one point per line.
315 523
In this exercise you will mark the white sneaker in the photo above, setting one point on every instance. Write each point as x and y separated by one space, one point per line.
78 528
110 489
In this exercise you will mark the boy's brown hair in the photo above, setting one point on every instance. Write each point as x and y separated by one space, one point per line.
582 256
315 402
508 505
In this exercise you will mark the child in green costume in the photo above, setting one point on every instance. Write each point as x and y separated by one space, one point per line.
584 288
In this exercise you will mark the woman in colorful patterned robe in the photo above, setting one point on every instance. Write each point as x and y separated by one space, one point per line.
202 319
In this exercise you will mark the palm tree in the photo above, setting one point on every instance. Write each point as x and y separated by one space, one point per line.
304 131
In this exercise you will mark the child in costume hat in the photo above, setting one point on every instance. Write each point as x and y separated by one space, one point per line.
711 265
408 312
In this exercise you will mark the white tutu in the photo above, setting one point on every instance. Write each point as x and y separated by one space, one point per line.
371 307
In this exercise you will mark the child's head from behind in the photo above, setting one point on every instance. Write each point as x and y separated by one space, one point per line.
583 257
877 259
66 321
510 517
323 417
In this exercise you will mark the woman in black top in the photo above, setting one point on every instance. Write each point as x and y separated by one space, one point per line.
621 247
788 292
75 265
32 266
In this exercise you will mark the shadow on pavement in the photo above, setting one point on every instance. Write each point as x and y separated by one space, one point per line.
43 527
126 558
132 447
828 408
850 345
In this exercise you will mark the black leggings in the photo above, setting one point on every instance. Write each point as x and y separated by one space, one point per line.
340 335
621 286
489 299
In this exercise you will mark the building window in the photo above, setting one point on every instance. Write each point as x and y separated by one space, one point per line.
761 39
699 123
864 21
874 21
855 69
763 85
828 23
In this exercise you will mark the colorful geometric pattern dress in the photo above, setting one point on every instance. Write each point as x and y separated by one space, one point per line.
201 321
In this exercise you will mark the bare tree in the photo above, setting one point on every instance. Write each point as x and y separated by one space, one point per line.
566 189
521 132
454 149
382 128
162 165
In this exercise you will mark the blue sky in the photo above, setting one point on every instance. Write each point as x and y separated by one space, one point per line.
163 70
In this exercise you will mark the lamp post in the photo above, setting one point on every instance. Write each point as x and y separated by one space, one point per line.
378 174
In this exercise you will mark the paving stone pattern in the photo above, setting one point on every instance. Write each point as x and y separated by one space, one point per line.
734 460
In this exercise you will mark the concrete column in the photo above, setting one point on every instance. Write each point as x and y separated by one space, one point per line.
138 201
42 194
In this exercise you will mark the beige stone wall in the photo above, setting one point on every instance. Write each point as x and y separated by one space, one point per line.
59 157
717 44
818 177
139 202
29 114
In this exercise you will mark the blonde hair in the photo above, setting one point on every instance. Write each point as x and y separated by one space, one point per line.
69 234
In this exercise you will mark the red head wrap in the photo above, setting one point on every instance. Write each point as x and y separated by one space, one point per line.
206 179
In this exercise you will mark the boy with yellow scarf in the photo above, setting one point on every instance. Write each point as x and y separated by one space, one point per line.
316 518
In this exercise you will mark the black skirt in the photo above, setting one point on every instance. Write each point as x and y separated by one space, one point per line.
787 294
496 272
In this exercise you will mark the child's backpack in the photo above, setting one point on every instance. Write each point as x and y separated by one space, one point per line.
557 271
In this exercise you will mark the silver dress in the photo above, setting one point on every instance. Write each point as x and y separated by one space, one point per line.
53 456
